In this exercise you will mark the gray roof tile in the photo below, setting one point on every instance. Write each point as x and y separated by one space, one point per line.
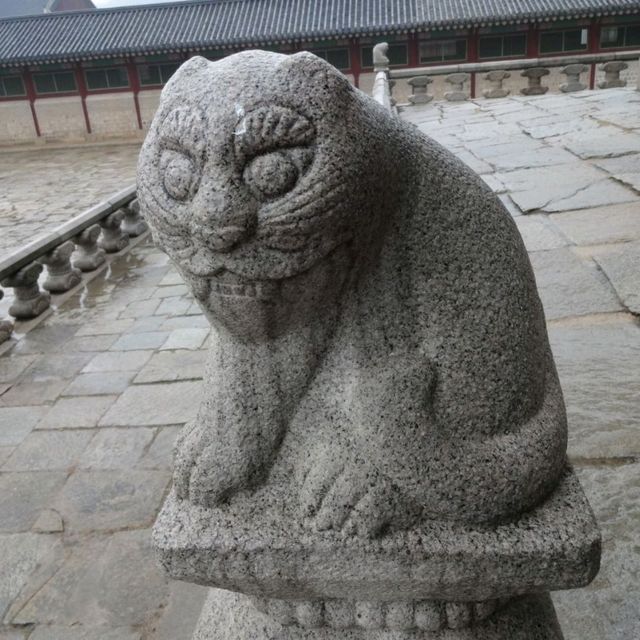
227 23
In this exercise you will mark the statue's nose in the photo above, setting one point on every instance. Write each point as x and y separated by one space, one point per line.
222 217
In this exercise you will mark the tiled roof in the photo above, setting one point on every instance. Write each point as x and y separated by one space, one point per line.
227 23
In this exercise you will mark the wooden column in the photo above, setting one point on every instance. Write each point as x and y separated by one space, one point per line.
82 89
473 47
593 46
27 78
533 41
356 65
134 83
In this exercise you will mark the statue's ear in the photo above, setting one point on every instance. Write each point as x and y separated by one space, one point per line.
305 67
190 68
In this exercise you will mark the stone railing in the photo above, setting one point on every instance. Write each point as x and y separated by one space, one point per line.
382 85
77 246
492 79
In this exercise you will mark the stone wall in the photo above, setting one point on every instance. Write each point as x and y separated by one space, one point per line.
112 114
61 118
16 122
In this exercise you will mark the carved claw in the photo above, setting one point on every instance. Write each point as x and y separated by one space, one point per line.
350 497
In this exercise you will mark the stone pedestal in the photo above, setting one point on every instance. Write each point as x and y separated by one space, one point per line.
457 82
30 301
113 238
439 580
573 73
133 224
89 255
612 72
61 276
534 76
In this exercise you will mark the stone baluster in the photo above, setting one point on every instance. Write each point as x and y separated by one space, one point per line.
535 87
495 88
88 255
420 87
113 239
392 84
29 301
61 275
6 326
612 77
457 82
573 73
133 224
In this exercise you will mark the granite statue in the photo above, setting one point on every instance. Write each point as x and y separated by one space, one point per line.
380 360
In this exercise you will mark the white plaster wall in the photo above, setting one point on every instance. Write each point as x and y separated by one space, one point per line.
61 118
112 114
16 122
148 101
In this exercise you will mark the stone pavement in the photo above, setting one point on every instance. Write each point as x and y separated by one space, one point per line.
92 398
42 188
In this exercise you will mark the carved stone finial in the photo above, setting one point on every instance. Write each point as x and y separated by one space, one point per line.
380 60
29 301
113 239
61 276
381 445
88 255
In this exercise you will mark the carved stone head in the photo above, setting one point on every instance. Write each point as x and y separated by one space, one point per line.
246 178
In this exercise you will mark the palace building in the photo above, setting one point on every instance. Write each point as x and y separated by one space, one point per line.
96 74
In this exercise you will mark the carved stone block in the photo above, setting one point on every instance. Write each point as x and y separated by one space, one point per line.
381 445
29 300
573 73
612 72
496 89
535 87
420 86
61 276
113 238
88 255
457 82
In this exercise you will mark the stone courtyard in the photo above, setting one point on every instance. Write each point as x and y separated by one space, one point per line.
91 399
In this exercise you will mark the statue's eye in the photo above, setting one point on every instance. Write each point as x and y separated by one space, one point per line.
178 174
271 175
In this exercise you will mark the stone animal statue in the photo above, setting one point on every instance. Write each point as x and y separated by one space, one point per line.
380 348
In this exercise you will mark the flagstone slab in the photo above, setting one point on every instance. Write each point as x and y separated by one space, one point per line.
155 404
96 384
622 267
17 422
598 367
539 234
608 608
600 225
118 361
570 286
24 495
604 142
116 448
33 393
48 451
170 366
108 500
21 553
107 582
75 413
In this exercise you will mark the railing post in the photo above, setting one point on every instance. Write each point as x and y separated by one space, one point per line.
457 82
612 77
29 301
6 326
573 73
380 60
133 224
89 255
113 239
496 90
61 275
420 88
535 75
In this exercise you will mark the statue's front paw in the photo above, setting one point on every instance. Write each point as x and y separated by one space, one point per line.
348 496
203 473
